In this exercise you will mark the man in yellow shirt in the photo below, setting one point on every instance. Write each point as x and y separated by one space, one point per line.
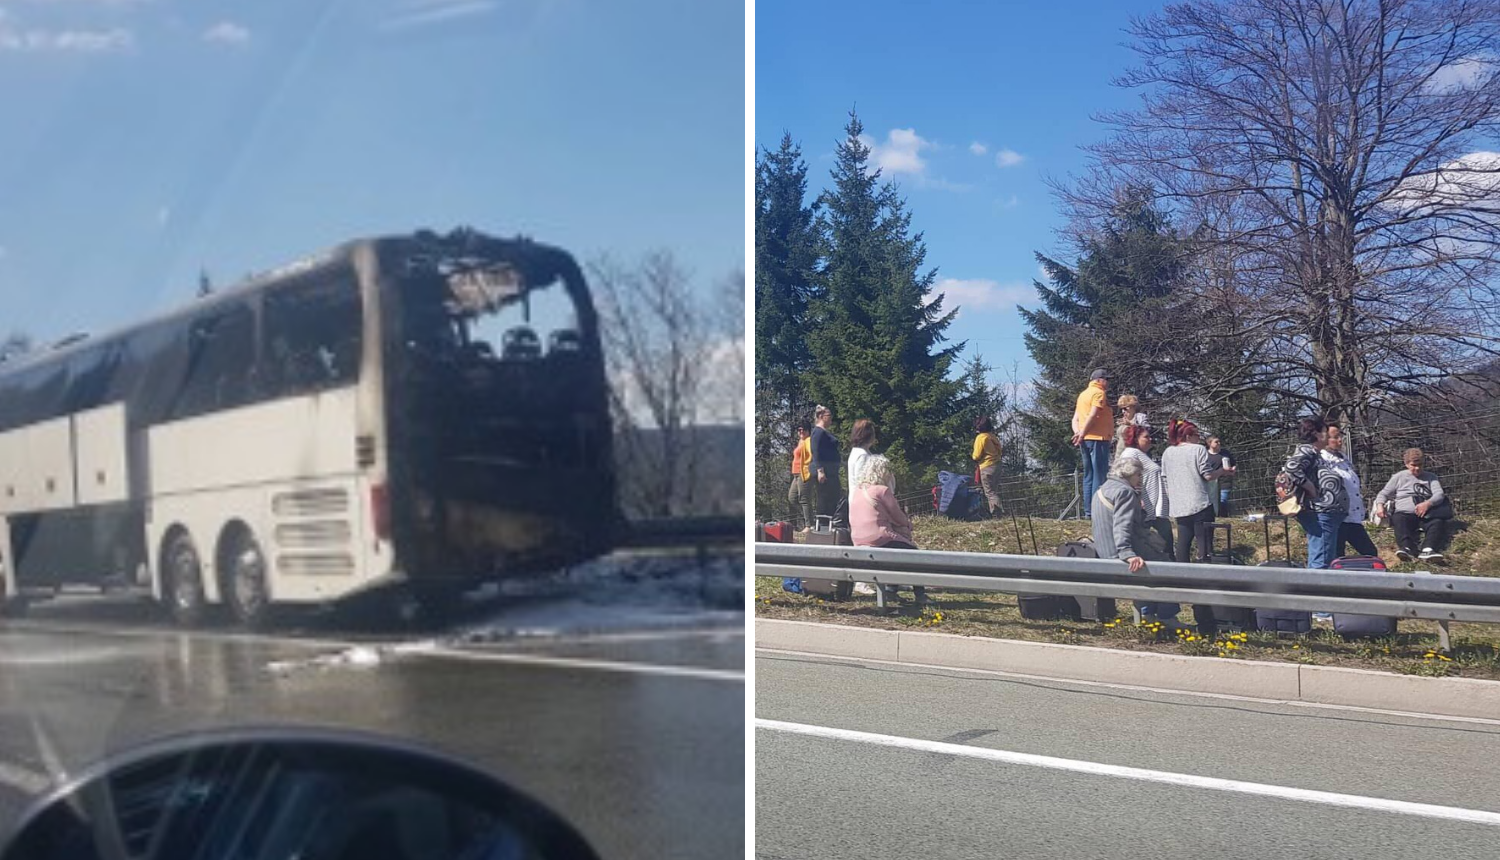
1093 427
799 494
987 455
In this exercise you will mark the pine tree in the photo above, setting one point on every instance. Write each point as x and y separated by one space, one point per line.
786 280
877 332
1119 308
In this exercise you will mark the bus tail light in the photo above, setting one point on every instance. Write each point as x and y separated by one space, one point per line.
380 510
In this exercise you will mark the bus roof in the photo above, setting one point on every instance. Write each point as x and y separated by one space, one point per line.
340 254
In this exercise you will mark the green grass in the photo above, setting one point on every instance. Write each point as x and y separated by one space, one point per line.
1476 647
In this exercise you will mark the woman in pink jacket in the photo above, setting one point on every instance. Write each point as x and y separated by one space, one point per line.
875 518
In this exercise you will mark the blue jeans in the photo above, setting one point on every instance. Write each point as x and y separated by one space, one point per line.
1322 537
1095 470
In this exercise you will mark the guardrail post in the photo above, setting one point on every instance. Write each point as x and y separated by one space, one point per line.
1444 641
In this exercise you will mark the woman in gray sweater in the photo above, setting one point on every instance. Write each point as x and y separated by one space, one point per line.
1422 515
1120 529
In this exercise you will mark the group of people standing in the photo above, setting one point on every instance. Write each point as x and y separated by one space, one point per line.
1143 509
1188 487
1320 486
875 516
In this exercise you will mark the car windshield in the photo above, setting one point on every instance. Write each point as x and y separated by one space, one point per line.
246 479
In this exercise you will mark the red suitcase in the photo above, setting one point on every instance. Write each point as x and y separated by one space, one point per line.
776 532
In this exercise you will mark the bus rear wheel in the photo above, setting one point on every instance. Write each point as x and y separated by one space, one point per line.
186 600
245 582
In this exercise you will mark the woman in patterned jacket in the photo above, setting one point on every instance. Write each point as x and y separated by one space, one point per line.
1319 489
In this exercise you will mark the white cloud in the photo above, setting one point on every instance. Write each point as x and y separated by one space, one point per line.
1012 203
1471 180
978 148
227 33
163 215
901 152
1008 158
418 13
983 294
1464 74
65 41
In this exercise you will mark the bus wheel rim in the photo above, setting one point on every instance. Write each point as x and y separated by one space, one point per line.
185 585
250 577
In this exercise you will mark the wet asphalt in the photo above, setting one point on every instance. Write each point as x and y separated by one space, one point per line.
620 705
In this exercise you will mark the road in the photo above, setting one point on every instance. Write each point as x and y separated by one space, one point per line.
858 759
626 716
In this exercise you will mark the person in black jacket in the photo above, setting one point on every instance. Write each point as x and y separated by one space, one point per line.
826 462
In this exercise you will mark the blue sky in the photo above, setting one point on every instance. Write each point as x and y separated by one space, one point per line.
144 139
970 106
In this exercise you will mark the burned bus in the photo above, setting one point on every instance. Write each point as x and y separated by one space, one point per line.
420 413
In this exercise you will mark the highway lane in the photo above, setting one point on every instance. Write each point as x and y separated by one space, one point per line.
627 717
985 794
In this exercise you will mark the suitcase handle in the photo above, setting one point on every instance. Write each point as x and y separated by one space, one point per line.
822 523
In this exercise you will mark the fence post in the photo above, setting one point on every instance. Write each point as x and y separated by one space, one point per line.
1077 494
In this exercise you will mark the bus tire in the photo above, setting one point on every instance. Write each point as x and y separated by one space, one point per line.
245 587
185 598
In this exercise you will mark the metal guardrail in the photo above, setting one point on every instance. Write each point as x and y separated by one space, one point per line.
1421 595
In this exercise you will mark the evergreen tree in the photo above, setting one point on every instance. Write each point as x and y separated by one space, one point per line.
1120 308
786 280
876 336
1143 303
786 260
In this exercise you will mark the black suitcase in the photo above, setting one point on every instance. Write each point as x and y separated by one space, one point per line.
1085 608
1046 607
1287 621
1362 626
825 535
1286 534
1238 618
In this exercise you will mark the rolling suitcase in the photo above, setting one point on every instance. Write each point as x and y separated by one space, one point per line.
1286 534
824 534
1362 626
1084 608
1284 621
1238 618
1051 607
780 532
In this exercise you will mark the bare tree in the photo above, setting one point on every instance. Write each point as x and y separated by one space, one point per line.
660 334
1331 151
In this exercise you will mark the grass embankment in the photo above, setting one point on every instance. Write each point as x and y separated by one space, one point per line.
1476 647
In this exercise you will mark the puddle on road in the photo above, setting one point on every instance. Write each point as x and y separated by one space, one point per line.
613 598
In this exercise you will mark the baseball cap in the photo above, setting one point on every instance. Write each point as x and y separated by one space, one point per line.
1099 374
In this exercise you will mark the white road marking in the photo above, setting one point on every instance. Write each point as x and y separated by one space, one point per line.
1281 792
834 658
